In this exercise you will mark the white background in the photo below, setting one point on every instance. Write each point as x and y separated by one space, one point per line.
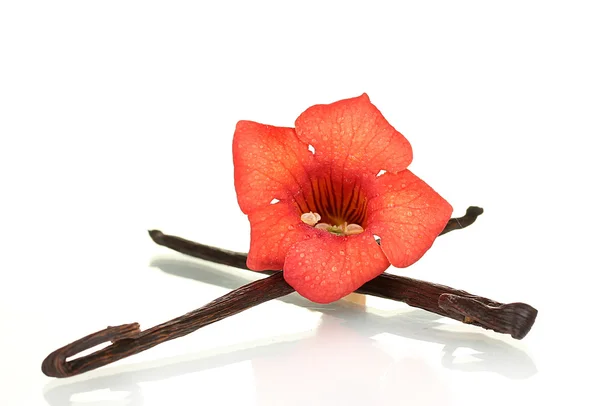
117 117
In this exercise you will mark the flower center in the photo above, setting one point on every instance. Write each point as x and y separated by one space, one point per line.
339 208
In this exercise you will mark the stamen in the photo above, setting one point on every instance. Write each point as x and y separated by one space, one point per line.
337 230
310 218
353 229
342 229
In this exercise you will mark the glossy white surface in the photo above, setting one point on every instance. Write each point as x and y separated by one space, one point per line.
117 118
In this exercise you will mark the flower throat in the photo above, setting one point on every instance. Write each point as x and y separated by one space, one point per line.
339 208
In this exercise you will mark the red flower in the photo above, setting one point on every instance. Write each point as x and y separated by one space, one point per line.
315 202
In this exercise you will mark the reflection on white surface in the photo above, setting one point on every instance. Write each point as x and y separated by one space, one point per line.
353 357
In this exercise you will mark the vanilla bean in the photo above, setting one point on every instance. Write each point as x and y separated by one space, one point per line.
515 319
129 340
196 250
465 221
238 259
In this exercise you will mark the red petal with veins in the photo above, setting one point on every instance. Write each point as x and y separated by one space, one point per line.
326 267
407 214
269 163
274 229
352 135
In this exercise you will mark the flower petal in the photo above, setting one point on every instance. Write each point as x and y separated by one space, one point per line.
353 135
273 230
328 267
269 163
407 214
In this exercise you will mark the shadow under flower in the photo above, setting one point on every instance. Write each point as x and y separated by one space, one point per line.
325 360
